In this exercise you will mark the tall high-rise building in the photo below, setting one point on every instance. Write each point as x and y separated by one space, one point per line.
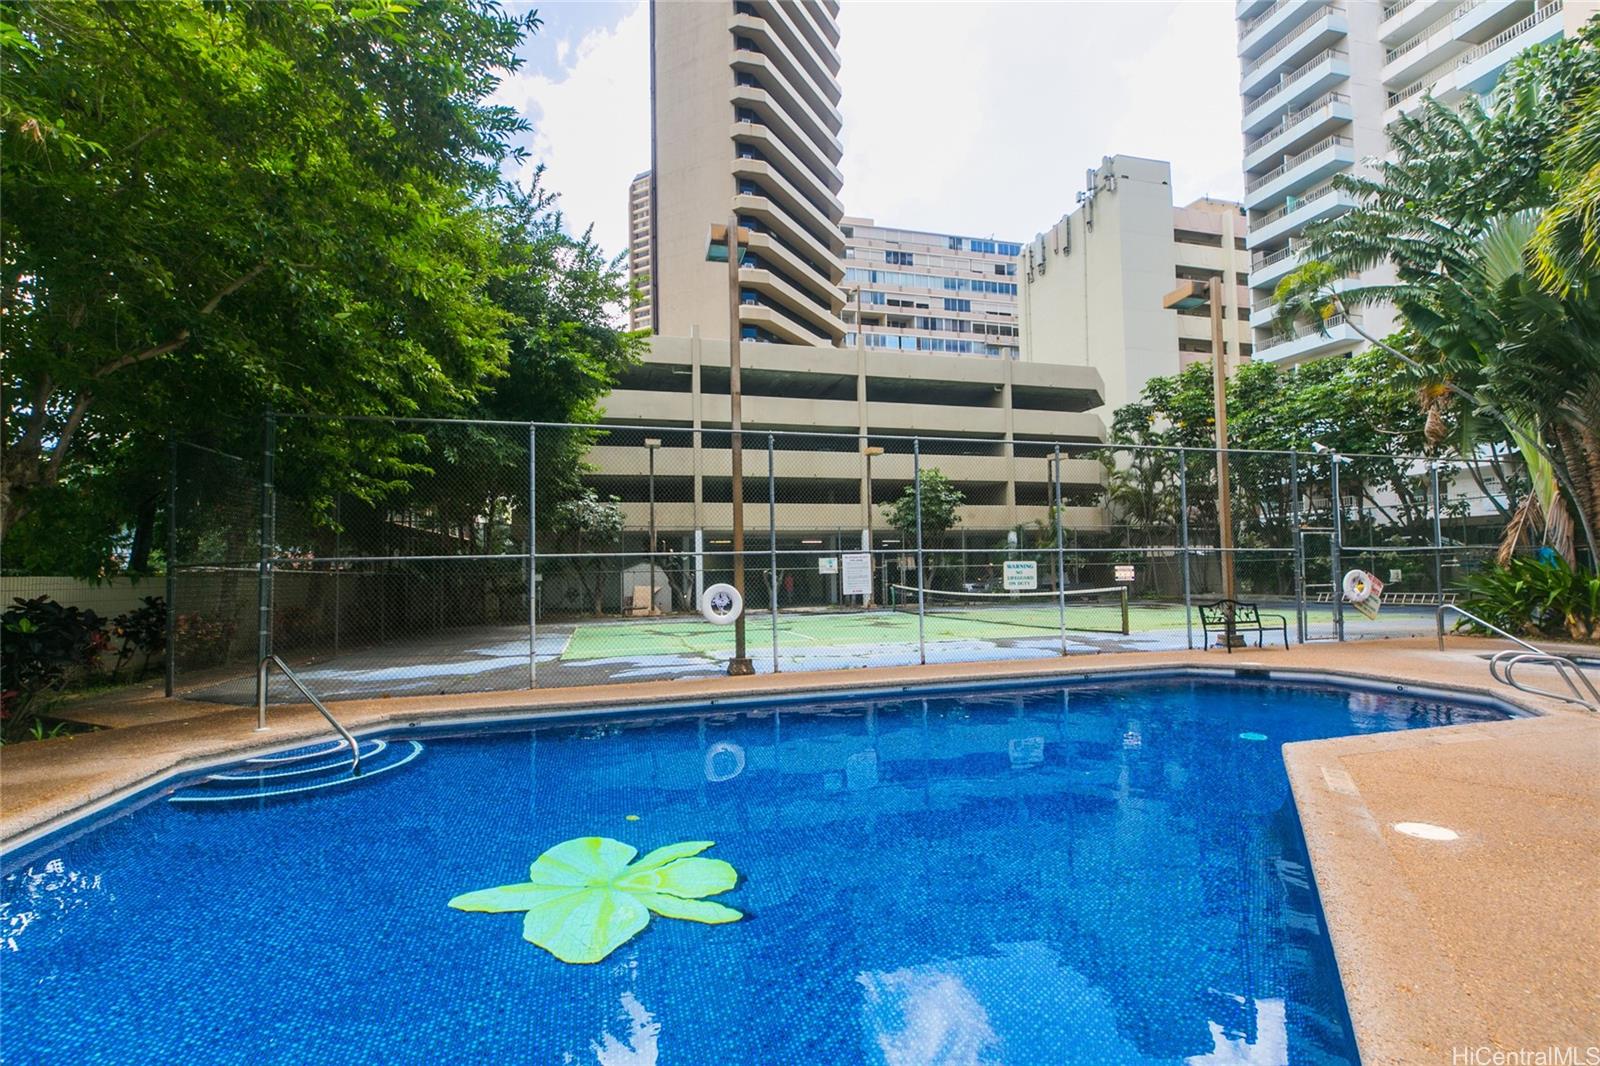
1320 81
745 122
640 313
1094 283
929 292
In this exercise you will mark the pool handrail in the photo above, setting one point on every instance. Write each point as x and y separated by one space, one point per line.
1565 667
261 707
1503 661
1438 618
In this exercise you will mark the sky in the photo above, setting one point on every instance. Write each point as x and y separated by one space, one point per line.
960 117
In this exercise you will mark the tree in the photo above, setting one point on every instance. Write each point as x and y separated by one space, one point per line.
1454 214
590 522
214 209
941 507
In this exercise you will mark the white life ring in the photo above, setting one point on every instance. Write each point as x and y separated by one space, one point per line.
724 747
721 604
1357 586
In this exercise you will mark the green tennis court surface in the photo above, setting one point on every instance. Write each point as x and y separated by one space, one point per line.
800 630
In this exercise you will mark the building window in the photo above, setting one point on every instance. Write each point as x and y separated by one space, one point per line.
955 244
953 304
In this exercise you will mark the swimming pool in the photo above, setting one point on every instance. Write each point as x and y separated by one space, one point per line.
1094 873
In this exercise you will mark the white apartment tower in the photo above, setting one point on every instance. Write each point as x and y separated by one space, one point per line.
745 122
915 291
1320 82
640 314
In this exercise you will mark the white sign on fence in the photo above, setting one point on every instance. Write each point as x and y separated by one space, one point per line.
1021 575
856 574
828 564
1124 572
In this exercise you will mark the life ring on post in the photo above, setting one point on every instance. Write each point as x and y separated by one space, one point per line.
1357 587
721 604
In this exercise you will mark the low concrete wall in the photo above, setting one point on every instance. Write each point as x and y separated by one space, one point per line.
107 599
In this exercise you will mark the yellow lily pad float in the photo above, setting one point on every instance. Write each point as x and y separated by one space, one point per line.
586 897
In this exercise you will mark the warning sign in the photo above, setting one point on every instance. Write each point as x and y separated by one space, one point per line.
1021 575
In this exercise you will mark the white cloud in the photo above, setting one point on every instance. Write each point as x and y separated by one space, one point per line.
981 118
591 123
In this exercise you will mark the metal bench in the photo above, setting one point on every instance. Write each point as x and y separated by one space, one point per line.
1215 618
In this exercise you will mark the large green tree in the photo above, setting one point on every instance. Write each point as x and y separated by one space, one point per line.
217 208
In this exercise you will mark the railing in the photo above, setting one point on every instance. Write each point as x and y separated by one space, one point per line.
1391 10
1266 259
1285 208
1292 118
1295 160
1305 331
1506 35
1314 11
261 706
1287 79
1249 25
1503 663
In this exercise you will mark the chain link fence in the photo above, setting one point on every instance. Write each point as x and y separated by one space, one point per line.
488 556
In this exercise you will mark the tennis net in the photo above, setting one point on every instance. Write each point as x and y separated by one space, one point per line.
1098 610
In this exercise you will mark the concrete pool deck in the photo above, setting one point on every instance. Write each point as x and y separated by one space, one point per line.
1488 940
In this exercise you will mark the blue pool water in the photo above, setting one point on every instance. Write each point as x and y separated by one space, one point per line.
1097 874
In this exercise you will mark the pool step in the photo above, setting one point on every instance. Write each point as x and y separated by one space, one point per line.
302 770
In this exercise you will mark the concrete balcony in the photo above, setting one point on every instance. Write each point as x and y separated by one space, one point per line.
1248 9
1309 342
784 225
800 272
1300 171
1479 69
823 96
783 323
1403 18
1293 217
1266 29
817 319
823 69
778 118
776 186
764 70
1326 114
1315 35
1475 21
1430 47
1322 72
1274 266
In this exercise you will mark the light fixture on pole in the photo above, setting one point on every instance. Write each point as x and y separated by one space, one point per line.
1189 296
723 244
869 451
650 446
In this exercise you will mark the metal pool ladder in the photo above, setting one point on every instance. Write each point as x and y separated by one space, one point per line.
1502 663
261 707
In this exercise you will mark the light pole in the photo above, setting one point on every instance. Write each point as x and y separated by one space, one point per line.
1187 296
869 451
650 446
729 248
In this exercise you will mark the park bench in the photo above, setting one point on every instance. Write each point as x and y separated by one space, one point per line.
1246 616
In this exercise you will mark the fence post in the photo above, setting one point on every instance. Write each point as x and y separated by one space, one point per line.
772 541
533 562
1061 552
1299 547
269 432
1183 541
922 570
1438 535
172 565
1335 543
338 551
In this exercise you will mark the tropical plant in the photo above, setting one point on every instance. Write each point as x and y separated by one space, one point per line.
589 522
143 629
586 897
42 645
1537 597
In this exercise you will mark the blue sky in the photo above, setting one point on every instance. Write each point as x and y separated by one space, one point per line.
967 117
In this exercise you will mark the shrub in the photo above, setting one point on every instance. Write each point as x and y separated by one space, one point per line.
1537 597
143 629
42 645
